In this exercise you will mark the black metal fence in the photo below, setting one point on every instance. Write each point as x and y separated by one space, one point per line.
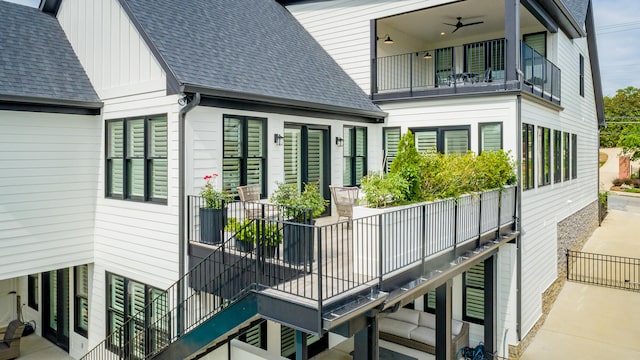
605 270
287 252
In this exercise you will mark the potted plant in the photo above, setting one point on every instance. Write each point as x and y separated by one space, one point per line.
300 207
271 238
246 236
213 215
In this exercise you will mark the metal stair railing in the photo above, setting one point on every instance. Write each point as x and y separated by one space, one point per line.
203 296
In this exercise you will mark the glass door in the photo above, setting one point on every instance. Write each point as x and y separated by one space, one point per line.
56 307
305 154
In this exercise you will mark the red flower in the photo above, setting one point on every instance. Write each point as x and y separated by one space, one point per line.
207 177
215 175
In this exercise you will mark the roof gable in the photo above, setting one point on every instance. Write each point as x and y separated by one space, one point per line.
578 10
253 47
37 62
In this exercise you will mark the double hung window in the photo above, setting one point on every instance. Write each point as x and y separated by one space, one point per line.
390 139
528 164
81 292
355 155
136 159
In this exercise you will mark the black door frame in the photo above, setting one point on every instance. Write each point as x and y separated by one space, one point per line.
56 336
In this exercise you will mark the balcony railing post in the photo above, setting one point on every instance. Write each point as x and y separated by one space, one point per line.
411 74
423 234
455 224
499 212
480 219
320 272
380 256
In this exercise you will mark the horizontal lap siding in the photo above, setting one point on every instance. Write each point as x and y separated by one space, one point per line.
544 207
48 184
349 21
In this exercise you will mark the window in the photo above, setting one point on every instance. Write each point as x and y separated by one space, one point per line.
315 344
557 156
126 300
528 174
355 155
244 152
544 156
581 75
490 137
33 288
537 41
486 59
574 156
256 335
565 155
430 302
81 295
473 293
444 140
390 139
136 161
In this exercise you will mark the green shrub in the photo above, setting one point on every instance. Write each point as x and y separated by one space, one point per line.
381 191
407 165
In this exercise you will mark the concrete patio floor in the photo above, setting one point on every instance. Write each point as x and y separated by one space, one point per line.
593 322
34 347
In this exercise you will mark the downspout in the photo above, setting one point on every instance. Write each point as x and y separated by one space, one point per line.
182 115
519 222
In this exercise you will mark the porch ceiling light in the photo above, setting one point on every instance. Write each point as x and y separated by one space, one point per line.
427 55
387 39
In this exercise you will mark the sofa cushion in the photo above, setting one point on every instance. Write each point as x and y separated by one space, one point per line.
456 326
396 327
424 335
406 315
427 320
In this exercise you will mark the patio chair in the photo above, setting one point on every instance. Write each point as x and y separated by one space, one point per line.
250 198
345 199
10 346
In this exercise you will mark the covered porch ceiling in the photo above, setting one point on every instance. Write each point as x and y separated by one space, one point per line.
427 26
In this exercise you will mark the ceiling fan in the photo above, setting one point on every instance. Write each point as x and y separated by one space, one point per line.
459 24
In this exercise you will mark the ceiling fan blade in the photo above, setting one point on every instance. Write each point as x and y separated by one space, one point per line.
474 23
450 24
456 29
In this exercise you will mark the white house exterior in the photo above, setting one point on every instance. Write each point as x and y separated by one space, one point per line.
98 182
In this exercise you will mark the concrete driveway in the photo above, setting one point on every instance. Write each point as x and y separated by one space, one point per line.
592 322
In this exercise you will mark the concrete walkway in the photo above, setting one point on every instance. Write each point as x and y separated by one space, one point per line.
592 322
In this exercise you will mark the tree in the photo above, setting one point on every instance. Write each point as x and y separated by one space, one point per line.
619 111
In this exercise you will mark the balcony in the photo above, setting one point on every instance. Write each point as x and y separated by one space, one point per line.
463 48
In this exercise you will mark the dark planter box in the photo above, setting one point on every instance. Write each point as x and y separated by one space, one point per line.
212 223
244 246
298 244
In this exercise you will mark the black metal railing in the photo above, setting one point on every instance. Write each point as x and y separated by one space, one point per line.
541 76
480 63
292 255
604 270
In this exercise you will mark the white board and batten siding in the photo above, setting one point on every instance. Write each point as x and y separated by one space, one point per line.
543 207
112 52
49 169
350 21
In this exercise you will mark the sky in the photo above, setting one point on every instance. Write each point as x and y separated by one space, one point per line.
617 30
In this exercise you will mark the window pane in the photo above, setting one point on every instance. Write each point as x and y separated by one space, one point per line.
135 172
83 314
116 176
255 138
536 42
565 155
315 152
158 138
360 166
231 178
158 181
254 172
391 141
574 156
135 138
361 141
490 137
232 137
427 141
115 143
456 141
474 291
292 157
557 156
82 280
347 171
475 58
347 146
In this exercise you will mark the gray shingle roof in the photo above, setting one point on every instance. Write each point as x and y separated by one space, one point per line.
37 60
253 47
578 9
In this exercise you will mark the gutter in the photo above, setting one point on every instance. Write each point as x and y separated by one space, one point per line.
182 115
